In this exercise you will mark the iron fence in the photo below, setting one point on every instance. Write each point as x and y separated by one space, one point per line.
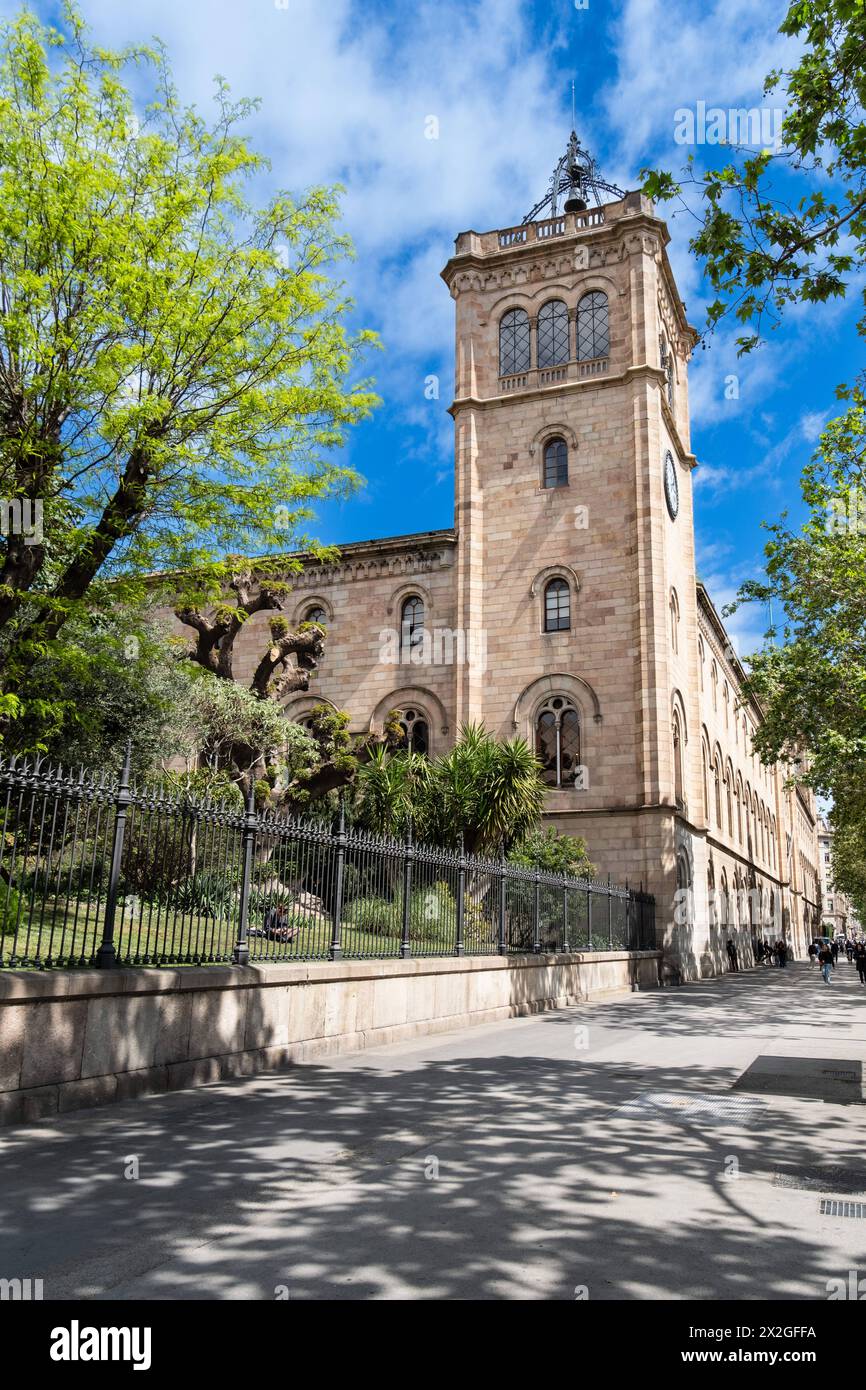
95 870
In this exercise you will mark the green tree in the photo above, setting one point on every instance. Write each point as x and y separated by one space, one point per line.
174 361
553 853
811 684
788 226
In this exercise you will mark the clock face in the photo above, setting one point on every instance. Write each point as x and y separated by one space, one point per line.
672 489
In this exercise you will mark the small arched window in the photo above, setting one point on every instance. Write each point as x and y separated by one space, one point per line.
416 730
514 342
667 361
552 334
729 788
705 768
412 621
316 614
678 760
593 332
557 741
557 606
555 463
675 621
717 779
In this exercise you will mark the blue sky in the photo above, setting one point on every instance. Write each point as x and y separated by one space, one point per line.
346 89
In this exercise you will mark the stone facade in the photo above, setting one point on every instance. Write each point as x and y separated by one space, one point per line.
643 668
837 913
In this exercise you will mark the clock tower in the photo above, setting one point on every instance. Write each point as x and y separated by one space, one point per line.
575 546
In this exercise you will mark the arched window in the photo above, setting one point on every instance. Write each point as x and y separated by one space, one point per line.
416 730
667 363
705 763
675 621
678 760
316 614
555 463
514 342
552 334
557 741
701 660
557 606
740 810
729 789
714 682
684 886
717 779
412 622
593 334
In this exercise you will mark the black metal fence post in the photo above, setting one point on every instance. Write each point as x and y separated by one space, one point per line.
609 913
106 956
241 952
503 933
536 914
409 856
336 949
461 899
565 945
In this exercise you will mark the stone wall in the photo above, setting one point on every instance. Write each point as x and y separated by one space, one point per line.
76 1038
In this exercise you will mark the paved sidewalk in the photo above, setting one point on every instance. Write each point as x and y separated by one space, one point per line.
599 1147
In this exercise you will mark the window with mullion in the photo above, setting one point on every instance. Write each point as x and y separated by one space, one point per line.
553 334
593 331
557 606
514 342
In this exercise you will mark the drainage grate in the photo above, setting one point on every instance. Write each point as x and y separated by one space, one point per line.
831 1207
846 1180
703 1106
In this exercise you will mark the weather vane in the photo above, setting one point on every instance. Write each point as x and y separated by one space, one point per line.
576 177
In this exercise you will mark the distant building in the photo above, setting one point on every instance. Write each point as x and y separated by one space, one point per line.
837 912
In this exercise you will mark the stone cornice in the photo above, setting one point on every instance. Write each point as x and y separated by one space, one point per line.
390 558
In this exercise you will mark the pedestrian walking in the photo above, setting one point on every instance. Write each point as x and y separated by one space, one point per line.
813 953
849 950
860 961
834 950
732 954
782 952
825 960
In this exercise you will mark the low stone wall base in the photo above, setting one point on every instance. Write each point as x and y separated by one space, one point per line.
72 1039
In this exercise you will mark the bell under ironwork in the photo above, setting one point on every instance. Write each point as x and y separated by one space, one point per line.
576 178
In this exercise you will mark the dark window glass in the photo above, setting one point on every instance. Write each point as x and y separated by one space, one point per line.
593 336
514 342
557 741
555 463
316 615
412 621
552 334
557 606
416 735
545 747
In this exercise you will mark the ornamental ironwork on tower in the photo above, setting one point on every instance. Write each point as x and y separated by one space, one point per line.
575 177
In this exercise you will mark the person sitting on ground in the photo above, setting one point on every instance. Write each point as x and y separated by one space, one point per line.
278 928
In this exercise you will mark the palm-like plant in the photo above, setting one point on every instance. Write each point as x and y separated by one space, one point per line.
488 792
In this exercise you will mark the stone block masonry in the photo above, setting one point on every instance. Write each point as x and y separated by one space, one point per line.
77 1038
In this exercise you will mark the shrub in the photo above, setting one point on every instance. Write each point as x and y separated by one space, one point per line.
10 907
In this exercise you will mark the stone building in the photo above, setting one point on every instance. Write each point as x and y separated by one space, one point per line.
838 917
564 605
